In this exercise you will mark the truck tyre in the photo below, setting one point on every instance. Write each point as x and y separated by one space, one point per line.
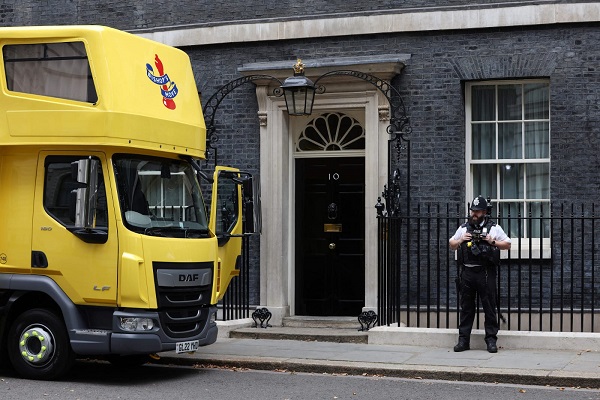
38 345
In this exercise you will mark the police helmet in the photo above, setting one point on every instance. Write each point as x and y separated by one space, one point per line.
478 203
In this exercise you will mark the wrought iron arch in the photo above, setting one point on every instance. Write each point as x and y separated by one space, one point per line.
399 128
212 104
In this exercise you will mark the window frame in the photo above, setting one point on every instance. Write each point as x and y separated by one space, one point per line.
538 245
92 96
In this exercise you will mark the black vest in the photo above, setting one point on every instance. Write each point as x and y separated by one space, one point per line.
478 252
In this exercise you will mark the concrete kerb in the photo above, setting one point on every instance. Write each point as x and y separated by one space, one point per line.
448 373
447 338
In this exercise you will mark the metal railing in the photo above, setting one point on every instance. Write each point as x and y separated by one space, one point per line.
546 282
236 302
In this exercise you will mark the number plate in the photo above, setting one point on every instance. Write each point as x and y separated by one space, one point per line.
186 347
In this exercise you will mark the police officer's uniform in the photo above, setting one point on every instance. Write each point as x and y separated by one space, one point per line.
478 261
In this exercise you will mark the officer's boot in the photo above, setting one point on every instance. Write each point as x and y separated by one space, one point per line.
462 345
491 345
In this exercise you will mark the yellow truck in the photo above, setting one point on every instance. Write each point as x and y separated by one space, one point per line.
106 245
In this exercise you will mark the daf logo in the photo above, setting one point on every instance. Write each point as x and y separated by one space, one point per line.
184 277
188 277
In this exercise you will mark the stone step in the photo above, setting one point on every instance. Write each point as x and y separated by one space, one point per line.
321 322
336 335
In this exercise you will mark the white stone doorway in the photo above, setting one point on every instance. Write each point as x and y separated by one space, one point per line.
278 133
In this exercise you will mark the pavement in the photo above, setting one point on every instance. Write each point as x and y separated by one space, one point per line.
561 360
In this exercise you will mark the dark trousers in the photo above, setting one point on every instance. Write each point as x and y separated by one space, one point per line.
482 281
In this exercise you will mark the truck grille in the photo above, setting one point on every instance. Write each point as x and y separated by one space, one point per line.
183 292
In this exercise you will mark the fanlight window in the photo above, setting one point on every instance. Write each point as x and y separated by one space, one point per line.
332 132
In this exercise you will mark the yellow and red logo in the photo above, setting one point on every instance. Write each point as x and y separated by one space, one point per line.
168 88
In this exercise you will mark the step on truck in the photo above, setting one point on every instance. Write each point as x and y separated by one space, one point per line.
106 245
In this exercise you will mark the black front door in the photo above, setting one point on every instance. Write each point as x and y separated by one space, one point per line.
330 236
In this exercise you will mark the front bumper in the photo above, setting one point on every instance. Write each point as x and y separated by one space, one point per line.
117 341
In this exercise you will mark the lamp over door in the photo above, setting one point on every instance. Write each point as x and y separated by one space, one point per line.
299 92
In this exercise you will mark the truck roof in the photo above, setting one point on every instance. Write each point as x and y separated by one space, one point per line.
97 85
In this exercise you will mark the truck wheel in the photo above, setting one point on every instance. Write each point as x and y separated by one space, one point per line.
38 345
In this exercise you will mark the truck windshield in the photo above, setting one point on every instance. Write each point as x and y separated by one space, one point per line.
160 196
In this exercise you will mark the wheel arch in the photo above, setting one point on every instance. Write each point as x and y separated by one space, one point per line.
34 291
21 301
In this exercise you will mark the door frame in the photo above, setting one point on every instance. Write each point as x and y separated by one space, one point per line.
367 103
277 175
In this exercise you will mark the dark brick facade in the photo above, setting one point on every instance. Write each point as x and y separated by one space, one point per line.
432 83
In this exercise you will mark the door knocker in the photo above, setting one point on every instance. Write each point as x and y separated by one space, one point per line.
332 210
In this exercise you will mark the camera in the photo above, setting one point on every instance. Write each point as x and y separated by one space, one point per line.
478 234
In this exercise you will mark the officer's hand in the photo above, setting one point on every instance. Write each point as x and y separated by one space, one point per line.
466 237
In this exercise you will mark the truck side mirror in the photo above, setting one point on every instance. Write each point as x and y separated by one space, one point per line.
83 200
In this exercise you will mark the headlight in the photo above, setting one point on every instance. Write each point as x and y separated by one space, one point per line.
134 324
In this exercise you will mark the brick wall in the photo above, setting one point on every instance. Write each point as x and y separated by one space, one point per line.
432 85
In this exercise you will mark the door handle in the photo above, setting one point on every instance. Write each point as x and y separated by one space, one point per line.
38 259
331 246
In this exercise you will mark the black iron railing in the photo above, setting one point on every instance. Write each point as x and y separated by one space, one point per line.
546 282
236 302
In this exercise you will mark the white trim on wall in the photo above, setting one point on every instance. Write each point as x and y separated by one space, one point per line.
393 21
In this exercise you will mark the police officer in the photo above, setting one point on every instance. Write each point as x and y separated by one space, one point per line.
478 242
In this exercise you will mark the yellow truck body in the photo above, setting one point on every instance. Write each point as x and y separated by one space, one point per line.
106 246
